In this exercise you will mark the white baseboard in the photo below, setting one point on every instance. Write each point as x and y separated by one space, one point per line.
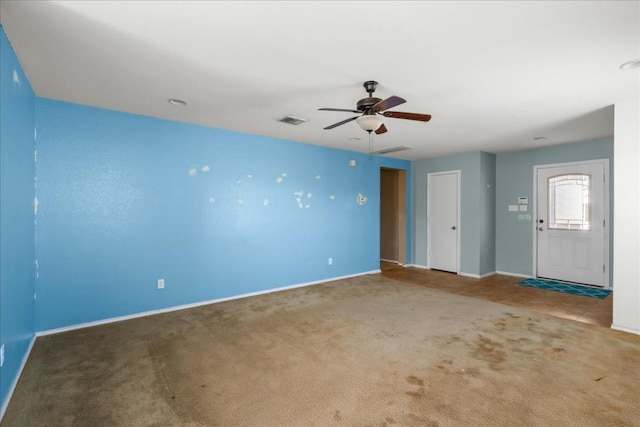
625 329
506 273
393 261
477 276
192 305
424 267
14 384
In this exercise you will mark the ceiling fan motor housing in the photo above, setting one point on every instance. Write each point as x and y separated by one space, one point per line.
365 104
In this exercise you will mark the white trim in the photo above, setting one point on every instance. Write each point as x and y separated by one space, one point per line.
14 384
192 305
506 273
477 276
424 267
458 174
607 214
393 261
625 329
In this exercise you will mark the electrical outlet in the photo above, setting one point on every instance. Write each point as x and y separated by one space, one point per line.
160 283
2 356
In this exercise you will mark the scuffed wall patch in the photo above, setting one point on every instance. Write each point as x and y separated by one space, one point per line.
299 195
36 203
281 178
16 78
303 197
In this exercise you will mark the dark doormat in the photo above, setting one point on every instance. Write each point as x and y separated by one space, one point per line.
567 288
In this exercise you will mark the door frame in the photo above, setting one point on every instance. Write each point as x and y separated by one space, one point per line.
458 173
607 214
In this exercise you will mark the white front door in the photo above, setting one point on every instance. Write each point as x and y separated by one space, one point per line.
442 220
572 222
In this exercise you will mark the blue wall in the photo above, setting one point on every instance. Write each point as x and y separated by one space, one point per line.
126 200
514 176
16 216
476 210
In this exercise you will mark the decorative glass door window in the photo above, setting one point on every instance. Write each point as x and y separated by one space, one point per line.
569 202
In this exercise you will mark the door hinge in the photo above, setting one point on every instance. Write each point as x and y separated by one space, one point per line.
603 223
603 268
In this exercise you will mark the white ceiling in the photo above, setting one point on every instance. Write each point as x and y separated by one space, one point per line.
494 75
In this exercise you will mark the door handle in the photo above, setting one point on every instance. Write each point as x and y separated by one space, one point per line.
540 229
453 228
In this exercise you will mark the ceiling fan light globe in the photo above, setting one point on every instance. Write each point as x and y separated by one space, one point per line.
369 122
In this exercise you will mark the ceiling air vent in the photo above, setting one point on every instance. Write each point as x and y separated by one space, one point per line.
392 150
293 120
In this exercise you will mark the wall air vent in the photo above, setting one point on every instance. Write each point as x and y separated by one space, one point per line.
392 150
293 120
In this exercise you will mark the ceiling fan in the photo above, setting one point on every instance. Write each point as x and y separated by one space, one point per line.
371 107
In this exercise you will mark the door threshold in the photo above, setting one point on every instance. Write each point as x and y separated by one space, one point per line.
568 282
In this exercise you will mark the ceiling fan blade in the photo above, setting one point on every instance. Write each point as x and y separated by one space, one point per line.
385 104
381 129
339 109
341 123
408 116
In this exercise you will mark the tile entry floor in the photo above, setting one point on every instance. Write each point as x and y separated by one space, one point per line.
505 290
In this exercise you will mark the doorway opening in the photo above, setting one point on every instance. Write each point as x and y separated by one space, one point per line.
393 216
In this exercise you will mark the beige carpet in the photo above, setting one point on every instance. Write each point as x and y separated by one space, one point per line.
366 351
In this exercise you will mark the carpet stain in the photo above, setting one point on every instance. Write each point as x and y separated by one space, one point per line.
490 351
385 334
417 420
414 380
337 416
445 364
416 394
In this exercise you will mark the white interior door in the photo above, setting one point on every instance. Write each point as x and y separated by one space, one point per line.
572 223
442 220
